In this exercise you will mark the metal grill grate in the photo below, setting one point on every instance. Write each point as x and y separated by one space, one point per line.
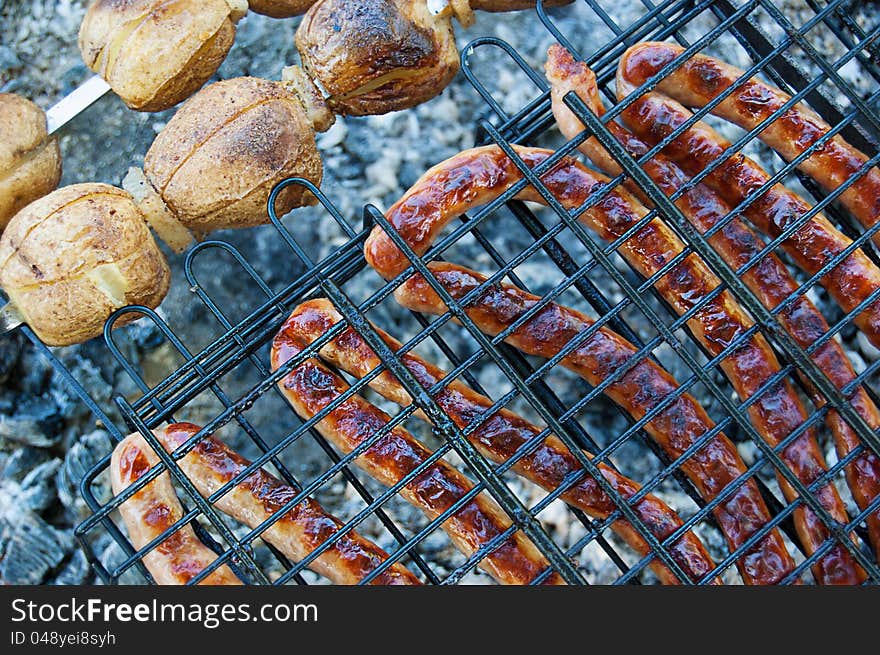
233 369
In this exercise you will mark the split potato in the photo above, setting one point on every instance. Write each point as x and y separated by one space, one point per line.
376 57
215 163
30 161
156 53
280 8
70 259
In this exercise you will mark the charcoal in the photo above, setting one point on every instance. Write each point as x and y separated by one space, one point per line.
10 348
36 422
113 557
22 461
82 456
31 547
38 487
33 372
75 571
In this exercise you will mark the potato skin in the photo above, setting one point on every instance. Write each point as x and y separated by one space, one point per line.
513 5
30 161
280 8
156 53
217 160
347 44
51 247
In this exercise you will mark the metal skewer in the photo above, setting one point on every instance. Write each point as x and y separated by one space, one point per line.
75 102
61 113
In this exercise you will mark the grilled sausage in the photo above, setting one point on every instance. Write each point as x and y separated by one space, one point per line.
259 495
474 178
653 116
715 467
777 412
701 79
152 510
311 387
502 434
736 242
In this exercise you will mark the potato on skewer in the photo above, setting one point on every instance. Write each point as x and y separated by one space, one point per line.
156 53
73 257
216 162
30 162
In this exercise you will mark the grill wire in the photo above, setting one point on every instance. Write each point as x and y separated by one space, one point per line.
242 342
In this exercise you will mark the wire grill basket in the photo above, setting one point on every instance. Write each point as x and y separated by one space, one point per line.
232 374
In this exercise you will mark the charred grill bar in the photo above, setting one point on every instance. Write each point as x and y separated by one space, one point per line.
243 341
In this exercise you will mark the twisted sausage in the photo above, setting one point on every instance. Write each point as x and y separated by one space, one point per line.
476 177
311 387
757 362
701 79
769 279
152 510
258 496
502 434
653 116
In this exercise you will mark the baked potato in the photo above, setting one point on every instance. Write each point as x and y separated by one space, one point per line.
280 8
513 5
156 53
30 162
215 163
376 56
71 258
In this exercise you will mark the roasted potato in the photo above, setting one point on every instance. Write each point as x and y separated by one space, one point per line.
156 53
376 56
217 160
513 5
280 8
71 258
30 162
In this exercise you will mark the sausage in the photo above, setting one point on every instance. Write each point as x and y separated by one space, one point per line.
311 387
701 79
473 178
653 116
713 467
502 434
152 510
776 413
258 496
769 279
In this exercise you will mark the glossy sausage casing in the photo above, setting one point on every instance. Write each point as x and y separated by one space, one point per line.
259 496
152 510
477 176
499 436
311 387
701 79
776 411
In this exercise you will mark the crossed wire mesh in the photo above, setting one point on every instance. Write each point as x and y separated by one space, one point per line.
588 271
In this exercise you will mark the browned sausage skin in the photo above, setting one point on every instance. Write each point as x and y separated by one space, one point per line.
768 279
477 176
500 435
311 387
152 510
715 468
654 116
758 362
258 496
701 79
